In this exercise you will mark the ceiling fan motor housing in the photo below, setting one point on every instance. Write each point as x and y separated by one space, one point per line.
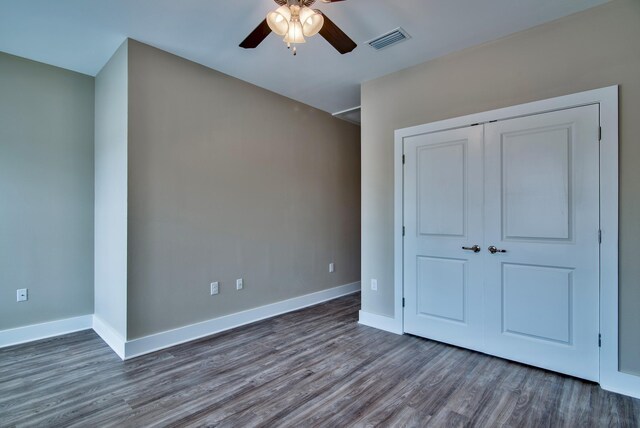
300 3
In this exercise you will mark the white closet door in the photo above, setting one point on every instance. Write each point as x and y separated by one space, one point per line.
442 214
542 208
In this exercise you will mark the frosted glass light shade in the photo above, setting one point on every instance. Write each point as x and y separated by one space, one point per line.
278 20
311 20
294 35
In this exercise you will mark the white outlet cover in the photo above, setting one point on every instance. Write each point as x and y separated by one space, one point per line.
374 284
332 267
215 288
239 284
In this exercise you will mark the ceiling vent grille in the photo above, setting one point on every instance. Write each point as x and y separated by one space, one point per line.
389 39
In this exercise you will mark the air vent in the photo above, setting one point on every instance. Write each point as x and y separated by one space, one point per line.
389 39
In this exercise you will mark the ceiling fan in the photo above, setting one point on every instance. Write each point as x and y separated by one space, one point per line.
294 19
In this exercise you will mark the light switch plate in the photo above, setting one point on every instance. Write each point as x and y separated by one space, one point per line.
22 295
239 284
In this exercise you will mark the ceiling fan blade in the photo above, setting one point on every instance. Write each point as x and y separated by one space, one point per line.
257 36
336 37
330 1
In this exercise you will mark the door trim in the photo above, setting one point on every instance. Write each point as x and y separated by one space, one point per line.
611 378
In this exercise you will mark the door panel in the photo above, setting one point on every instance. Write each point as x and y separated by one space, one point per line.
442 288
542 208
536 302
536 169
441 208
443 282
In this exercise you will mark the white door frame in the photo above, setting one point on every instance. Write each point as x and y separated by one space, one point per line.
610 377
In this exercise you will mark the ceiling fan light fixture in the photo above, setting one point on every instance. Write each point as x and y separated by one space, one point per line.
278 20
295 34
312 21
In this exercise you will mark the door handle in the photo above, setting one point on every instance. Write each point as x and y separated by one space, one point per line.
492 249
475 248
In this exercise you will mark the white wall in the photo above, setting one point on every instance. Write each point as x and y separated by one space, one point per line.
46 192
228 180
592 49
111 169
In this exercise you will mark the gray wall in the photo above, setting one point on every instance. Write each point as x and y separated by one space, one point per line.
592 49
46 192
111 130
227 180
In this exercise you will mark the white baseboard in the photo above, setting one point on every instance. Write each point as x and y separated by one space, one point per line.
622 383
380 322
29 333
110 336
166 339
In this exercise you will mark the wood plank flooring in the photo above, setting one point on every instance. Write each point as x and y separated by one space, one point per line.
314 367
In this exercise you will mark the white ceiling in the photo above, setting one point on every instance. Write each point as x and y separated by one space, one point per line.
81 35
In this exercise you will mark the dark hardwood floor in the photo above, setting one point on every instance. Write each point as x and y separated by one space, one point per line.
314 367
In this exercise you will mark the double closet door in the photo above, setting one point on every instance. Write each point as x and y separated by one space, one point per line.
501 250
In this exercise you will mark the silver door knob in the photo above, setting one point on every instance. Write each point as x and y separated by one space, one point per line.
492 249
475 248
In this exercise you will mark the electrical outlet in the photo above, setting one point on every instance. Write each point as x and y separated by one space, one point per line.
239 284
332 267
374 284
22 295
215 288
